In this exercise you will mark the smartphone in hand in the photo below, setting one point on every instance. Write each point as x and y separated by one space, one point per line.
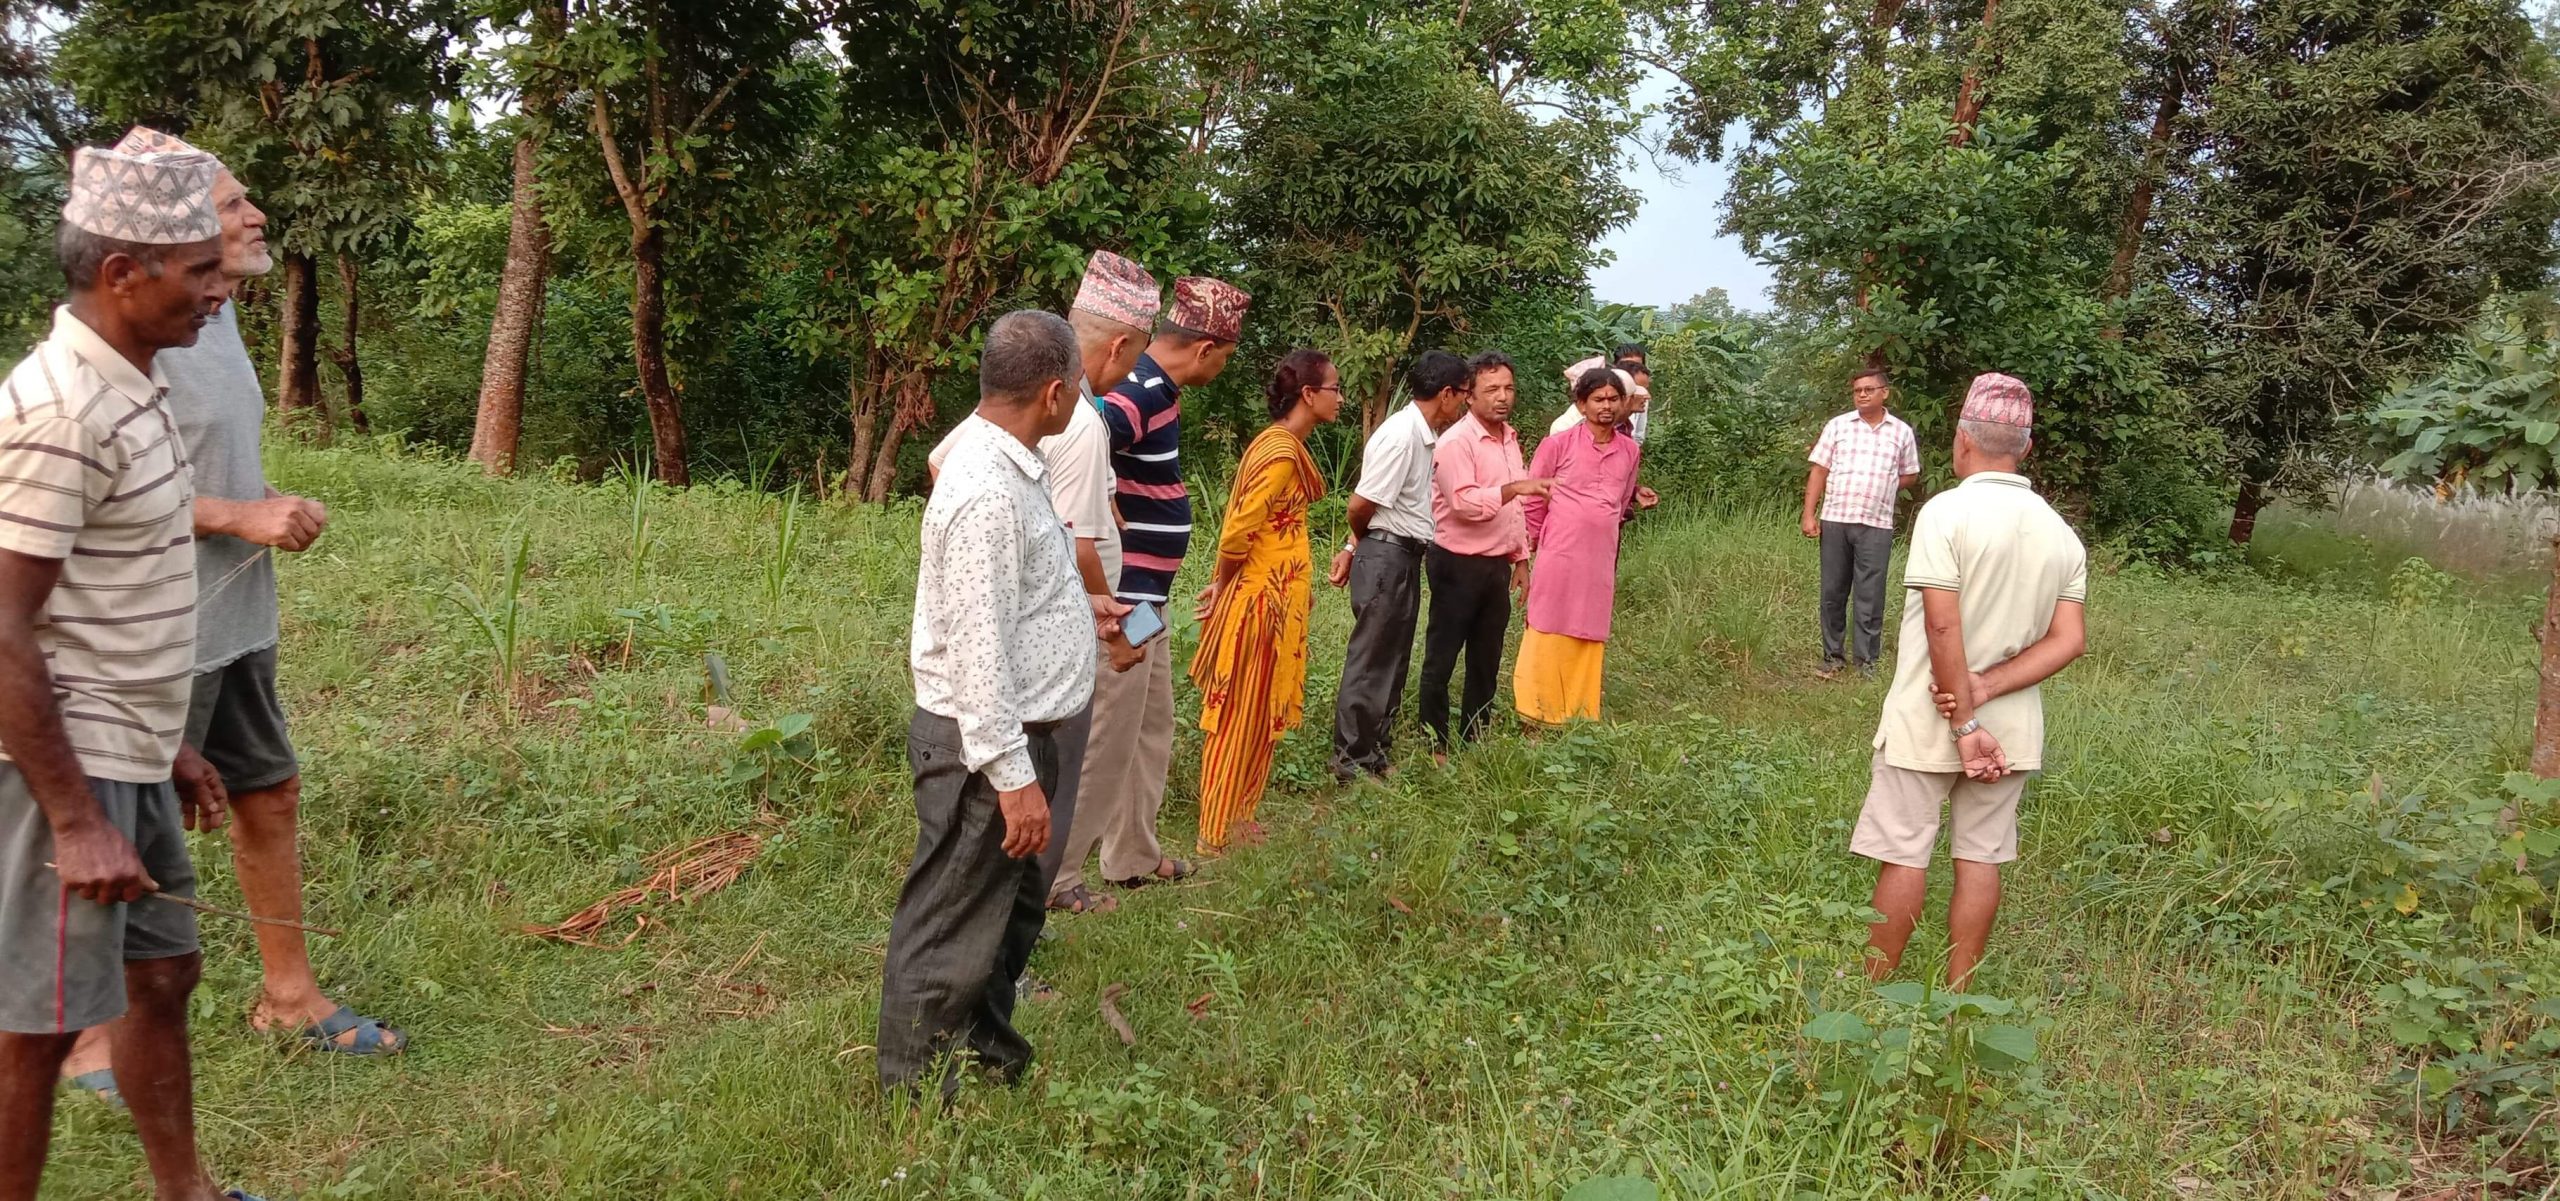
1143 623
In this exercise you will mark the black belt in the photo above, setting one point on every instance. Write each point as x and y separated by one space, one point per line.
1411 544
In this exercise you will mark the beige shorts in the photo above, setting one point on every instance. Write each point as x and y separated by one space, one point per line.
1899 823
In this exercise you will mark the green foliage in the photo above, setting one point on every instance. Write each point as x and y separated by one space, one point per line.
1388 189
2362 179
1932 1062
2488 418
1949 260
319 106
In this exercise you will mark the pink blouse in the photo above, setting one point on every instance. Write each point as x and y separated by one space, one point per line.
1574 531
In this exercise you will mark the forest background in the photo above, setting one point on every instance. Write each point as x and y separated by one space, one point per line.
759 238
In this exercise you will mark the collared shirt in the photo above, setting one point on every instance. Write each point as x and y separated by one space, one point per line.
1002 634
1395 474
1144 416
1080 479
2009 558
221 409
1867 463
1469 467
1080 485
93 473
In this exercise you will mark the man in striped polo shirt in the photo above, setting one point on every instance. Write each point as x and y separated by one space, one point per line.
97 652
1131 748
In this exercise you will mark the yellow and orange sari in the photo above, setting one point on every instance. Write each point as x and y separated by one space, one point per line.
1252 664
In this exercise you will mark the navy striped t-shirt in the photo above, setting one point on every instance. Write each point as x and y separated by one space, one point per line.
1145 418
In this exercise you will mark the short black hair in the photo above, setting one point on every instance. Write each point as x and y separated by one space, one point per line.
1595 379
1490 360
1183 335
1882 373
1627 350
1436 372
1025 350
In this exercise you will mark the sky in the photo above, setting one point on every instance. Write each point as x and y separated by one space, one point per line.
1671 251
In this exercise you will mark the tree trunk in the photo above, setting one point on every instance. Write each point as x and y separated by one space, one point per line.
866 427
1971 93
1373 408
2546 710
649 354
912 395
2137 208
2244 509
298 362
349 369
499 428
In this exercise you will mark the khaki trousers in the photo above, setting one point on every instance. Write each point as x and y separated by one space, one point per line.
1125 763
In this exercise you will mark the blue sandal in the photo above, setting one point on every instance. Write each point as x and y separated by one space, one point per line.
372 1037
237 1195
100 1084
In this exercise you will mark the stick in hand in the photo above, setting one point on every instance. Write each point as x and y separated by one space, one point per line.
235 915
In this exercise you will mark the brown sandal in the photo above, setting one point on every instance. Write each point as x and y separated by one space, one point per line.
1182 870
1080 899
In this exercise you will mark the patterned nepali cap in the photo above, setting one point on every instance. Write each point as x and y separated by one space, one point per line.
1120 290
142 139
1210 306
2000 400
157 199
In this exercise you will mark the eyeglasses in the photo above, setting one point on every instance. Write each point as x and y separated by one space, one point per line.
1324 387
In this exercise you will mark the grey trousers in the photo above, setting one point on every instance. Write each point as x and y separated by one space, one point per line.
968 915
1854 559
1126 759
1386 603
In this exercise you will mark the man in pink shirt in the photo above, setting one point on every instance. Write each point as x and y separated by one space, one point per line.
1479 551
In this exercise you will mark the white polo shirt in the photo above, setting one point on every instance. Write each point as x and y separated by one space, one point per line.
1395 474
2009 558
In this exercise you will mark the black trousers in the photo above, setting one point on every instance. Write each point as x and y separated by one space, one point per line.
1386 604
1854 560
968 915
1471 612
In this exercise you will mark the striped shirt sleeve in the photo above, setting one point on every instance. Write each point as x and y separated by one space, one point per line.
53 471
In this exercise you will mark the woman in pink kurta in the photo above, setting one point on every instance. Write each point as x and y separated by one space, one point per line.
1573 536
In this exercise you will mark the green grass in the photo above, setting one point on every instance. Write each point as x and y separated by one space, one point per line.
1578 956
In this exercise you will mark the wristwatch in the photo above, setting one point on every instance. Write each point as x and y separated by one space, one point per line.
1969 727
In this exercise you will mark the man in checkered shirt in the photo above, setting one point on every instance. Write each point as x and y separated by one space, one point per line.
1864 459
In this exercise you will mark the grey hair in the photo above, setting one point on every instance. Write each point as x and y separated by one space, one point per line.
1093 330
83 254
1026 349
1997 439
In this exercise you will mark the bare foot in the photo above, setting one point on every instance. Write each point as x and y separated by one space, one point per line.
90 1054
1439 758
1251 834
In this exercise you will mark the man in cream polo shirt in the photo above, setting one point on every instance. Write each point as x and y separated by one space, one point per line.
1997 584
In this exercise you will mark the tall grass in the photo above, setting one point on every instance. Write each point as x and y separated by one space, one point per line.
1588 955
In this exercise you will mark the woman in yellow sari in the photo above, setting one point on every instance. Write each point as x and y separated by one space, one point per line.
1252 663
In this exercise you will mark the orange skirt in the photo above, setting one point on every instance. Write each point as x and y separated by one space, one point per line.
1556 679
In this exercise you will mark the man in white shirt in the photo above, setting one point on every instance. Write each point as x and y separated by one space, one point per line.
1113 311
1003 661
1391 528
1997 581
1114 307
1864 459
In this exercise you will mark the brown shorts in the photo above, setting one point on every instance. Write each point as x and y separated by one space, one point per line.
1899 823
